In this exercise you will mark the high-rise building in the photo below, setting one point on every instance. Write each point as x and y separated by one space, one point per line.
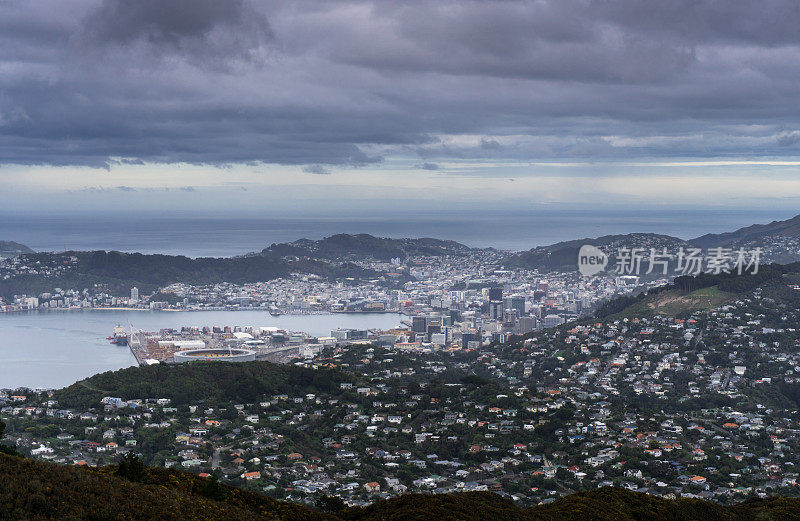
495 294
134 294
553 320
466 338
419 324
526 325
516 302
496 309
455 316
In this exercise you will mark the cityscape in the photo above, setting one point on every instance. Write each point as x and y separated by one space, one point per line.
528 384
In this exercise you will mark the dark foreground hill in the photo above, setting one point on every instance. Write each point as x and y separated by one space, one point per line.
37 491
34 490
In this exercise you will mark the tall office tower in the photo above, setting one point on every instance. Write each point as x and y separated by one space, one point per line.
517 302
455 316
495 294
134 294
419 324
466 338
496 309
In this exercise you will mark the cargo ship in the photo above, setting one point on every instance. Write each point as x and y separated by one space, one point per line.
119 337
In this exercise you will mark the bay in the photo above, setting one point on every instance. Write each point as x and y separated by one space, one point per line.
53 349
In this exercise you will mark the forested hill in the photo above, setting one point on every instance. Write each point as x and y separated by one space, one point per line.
37 490
208 381
362 245
119 271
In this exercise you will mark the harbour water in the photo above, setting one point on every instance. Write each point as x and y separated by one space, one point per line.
57 348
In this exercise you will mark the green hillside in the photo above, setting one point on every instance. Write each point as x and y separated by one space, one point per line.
676 302
210 381
692 293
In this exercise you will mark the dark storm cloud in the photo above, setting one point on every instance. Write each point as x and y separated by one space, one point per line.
318 83
207 33
171 22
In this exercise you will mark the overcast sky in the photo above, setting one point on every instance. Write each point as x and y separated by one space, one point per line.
247 104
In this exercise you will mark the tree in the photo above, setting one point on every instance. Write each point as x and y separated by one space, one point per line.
131 468
331 504
213 490
5 449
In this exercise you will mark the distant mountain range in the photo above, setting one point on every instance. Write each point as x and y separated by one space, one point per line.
563 255
755 232
334 257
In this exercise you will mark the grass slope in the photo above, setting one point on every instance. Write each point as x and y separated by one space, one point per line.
676 302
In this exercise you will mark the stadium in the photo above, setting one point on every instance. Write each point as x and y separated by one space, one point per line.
215 355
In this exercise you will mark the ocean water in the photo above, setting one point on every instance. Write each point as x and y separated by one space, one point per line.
53 349
482 227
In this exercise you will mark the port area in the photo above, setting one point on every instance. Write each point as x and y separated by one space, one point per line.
272 344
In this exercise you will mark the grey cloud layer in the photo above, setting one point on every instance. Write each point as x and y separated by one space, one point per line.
317 83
